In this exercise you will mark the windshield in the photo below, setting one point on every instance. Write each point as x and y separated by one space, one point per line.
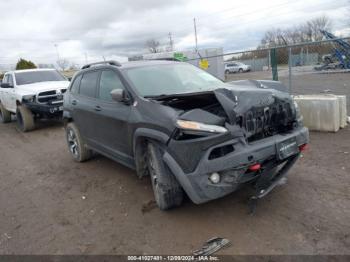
25 78
171 79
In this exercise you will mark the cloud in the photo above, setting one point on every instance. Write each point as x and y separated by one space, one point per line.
92 29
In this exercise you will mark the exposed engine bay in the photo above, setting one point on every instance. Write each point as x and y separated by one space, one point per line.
256 110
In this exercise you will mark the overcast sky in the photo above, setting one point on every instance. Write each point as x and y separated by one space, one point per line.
91 29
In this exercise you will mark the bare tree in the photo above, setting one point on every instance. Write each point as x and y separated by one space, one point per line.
153 46
314 26
63 64
307 32
73 66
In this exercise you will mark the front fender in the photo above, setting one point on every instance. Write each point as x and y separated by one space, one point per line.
67 117
151 134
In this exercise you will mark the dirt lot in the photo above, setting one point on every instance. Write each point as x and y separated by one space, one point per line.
52 205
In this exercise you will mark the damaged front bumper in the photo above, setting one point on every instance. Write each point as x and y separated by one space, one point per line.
275 154
51 110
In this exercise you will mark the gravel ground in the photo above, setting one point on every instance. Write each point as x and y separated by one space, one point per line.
51 205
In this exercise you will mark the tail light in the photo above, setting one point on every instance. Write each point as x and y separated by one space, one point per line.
303 147
254 167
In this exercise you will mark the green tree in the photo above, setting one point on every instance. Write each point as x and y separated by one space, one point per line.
24 64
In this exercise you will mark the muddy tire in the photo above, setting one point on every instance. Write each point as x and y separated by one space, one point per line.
5 116
167 191
76 144
240 70
227 72
25 119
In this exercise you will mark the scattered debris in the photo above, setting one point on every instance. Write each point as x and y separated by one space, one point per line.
83 197
211 246
148 206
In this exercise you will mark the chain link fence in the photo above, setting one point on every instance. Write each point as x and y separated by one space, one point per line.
308 68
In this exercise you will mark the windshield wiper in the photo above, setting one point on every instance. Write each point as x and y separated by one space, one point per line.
162 96
165 96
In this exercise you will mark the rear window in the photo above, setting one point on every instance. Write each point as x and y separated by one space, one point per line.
25 78
88 84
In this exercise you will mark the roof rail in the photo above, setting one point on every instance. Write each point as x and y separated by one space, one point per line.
109 62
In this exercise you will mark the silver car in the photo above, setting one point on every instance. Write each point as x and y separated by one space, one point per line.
236 67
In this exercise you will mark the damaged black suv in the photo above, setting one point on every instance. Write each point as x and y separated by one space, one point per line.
189 131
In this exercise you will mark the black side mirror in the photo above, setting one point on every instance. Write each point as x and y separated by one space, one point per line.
119 95
6 85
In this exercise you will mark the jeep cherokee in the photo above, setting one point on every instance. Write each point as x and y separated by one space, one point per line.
189 131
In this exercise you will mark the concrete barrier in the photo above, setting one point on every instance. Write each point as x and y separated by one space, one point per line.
343 111
324 112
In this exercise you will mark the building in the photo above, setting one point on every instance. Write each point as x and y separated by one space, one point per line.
210 59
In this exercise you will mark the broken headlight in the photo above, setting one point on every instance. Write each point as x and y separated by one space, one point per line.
196 126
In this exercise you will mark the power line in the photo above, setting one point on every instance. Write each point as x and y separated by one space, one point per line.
195 33
264 18
171 42
241 25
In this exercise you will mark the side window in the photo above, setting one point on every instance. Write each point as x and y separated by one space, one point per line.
75 86
5 79
88 84
109 81
10 80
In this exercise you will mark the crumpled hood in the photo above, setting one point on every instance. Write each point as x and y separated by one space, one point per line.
237 100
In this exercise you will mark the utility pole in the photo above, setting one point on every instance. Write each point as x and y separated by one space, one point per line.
195 33
171 43
58 55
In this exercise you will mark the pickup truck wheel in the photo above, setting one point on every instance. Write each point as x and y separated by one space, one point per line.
5 116
240 70
76 145
25 119
227 72
167 191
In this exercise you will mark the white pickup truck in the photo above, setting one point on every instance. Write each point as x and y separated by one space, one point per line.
31 94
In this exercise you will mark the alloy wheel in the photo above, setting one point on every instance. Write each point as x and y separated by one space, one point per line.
72 143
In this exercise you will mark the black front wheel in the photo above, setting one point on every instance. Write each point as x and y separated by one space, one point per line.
76 145
25 119
167 191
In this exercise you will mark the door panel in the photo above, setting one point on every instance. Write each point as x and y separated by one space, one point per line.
8 95
82 102
11 95
111 118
